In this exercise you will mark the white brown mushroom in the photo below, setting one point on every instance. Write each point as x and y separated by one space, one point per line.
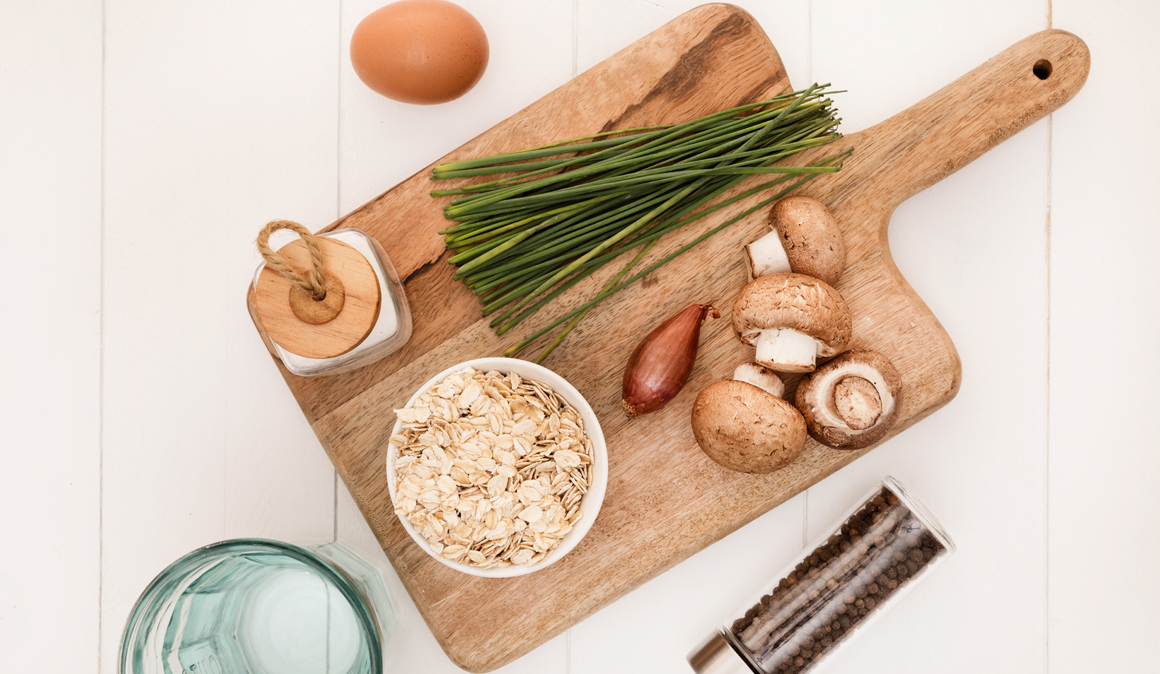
792 319
747 428
805 239
852 401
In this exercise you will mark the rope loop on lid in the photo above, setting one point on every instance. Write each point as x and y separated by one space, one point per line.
309 282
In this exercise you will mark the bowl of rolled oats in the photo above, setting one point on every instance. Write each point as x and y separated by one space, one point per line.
497 467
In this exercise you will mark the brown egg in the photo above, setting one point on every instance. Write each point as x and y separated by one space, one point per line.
419 51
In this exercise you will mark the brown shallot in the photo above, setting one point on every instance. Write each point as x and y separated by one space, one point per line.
661 363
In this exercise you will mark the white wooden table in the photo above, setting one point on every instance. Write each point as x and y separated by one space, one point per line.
143 144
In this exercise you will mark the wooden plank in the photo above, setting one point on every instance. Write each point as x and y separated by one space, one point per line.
381 143
973 248
50 196
1104 476
220 116
657 474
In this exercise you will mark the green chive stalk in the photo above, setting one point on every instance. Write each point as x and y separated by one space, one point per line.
548 217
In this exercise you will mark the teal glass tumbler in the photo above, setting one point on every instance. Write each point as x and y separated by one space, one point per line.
252 606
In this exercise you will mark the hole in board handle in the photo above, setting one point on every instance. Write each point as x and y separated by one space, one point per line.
1042 69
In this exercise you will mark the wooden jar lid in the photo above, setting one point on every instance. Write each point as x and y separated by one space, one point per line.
355 308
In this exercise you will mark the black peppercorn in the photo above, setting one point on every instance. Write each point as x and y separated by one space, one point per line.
831 590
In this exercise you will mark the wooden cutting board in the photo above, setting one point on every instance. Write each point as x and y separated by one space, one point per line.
666 500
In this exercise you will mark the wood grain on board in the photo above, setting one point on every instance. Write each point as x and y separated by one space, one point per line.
666 500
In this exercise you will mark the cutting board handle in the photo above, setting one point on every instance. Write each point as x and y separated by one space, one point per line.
948 130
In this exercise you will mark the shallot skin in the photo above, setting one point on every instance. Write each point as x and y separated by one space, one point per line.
661 363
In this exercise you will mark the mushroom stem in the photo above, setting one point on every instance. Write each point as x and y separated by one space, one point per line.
766 256
852 401
761 377
857 401
786 350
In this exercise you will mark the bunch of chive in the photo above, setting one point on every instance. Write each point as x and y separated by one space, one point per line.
567 209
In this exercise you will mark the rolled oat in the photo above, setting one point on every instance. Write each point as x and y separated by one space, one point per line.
491 468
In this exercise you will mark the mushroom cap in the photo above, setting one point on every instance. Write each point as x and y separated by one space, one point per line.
811 237
746 429
815 399
795 301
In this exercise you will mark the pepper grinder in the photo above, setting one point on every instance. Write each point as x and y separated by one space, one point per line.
327 303
833 592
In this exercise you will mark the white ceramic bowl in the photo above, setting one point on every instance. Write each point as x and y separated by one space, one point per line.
589 503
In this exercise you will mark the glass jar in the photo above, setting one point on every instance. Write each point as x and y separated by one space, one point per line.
252 606
880 551
392 326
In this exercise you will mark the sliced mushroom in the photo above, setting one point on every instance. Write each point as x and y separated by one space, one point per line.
792 319
747 428
805 239
852 401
